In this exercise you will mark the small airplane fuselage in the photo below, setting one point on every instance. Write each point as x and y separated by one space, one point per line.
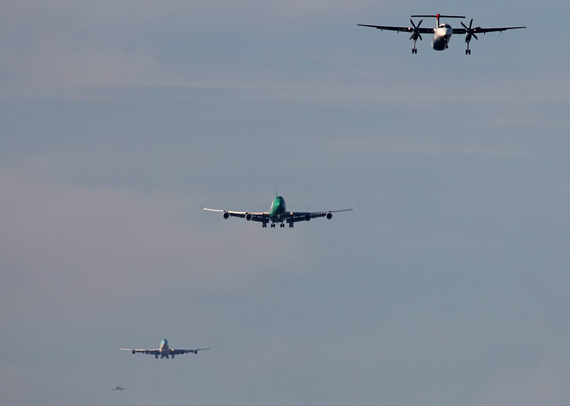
441 36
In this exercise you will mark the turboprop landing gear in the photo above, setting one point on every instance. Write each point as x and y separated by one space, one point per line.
469 33
415 35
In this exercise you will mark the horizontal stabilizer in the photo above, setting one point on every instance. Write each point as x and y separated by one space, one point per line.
436 16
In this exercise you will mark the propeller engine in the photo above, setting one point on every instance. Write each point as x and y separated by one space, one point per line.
415 34
469 33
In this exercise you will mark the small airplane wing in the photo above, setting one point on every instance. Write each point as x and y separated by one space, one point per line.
295 216
141 351
399 29
251 216
479 30
194 351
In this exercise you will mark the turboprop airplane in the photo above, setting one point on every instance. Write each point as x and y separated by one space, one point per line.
442 32
277 214
164 350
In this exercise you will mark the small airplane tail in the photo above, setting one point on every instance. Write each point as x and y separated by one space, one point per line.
437 16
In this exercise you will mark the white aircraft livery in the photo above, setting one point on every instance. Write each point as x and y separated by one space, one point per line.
164 350
442 32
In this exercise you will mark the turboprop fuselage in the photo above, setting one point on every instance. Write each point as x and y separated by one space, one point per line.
441 36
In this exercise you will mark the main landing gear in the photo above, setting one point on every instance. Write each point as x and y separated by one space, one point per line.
415 35
281 225
469 33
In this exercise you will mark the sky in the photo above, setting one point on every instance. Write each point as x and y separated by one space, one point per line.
447 285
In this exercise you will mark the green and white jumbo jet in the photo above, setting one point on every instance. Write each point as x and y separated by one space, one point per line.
277 214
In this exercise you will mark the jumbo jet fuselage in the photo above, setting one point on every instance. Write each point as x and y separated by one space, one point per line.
164 349
278 209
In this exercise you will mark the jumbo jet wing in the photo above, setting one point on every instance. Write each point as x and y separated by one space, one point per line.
142 351
295 216
194 351
399 29
259 216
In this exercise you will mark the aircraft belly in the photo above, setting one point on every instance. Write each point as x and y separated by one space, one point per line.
439 44
276 218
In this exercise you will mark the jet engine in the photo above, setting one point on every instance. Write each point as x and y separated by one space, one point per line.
307 217
328 215
226 215
133 351
247 216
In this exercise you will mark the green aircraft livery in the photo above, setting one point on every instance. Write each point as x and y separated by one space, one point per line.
277 214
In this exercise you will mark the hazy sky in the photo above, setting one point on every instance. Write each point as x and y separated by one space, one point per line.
447 285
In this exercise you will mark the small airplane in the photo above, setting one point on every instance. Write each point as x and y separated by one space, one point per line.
118 387
442 32
164 350
277 214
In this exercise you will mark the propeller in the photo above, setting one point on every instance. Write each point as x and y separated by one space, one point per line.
469 32
416 31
